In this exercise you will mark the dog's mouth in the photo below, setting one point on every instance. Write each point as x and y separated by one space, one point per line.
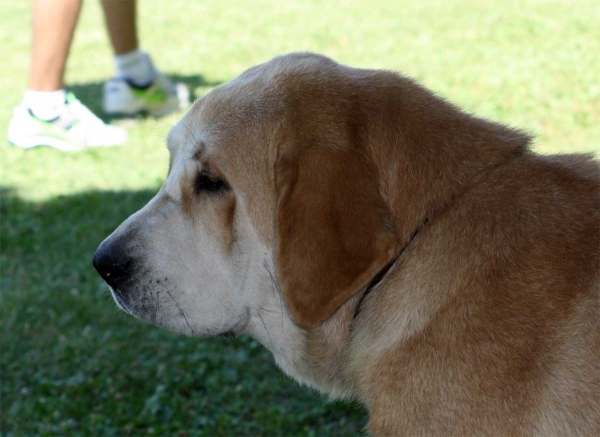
120 300
127 303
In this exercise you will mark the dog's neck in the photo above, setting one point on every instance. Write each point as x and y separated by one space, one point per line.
429 157
450 170
310 357
420 175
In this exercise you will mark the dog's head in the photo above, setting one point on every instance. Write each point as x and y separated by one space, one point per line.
270 189
289 189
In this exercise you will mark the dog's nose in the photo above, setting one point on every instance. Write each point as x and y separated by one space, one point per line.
113 263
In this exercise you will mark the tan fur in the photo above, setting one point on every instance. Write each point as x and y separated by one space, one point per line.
329 192
488 322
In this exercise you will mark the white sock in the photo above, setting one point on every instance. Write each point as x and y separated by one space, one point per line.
135 66
45 104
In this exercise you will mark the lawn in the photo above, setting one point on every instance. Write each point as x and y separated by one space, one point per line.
71 363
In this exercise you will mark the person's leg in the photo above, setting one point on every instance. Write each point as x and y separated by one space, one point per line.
53 26
48 116
121 22
137 86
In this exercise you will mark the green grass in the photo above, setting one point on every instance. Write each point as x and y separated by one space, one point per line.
71 364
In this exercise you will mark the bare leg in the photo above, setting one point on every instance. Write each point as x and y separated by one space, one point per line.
53 26
120 16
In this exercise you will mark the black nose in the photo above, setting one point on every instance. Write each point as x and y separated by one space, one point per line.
113 263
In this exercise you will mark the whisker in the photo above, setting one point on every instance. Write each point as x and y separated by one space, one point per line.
181 312
275 286
267 310
265 326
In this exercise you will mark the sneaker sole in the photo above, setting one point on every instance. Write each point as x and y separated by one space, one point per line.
42 141
156 112
178 103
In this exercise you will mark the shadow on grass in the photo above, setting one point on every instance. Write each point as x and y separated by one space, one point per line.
71 363
90 93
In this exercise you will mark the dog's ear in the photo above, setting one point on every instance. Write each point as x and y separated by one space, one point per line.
334 231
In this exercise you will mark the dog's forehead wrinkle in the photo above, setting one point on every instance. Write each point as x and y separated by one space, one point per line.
177 136
188 133
192 155
198 151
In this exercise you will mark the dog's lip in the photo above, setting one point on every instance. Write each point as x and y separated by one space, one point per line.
237 329
119 300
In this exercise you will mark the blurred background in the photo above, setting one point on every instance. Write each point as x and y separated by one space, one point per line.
71 363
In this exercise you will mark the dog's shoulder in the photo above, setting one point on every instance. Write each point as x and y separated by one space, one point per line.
479 312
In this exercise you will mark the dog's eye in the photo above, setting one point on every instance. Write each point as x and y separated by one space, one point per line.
207 182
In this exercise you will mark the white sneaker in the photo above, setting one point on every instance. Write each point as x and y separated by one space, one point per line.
76 128
159 98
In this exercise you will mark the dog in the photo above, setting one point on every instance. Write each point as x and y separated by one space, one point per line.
383 244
